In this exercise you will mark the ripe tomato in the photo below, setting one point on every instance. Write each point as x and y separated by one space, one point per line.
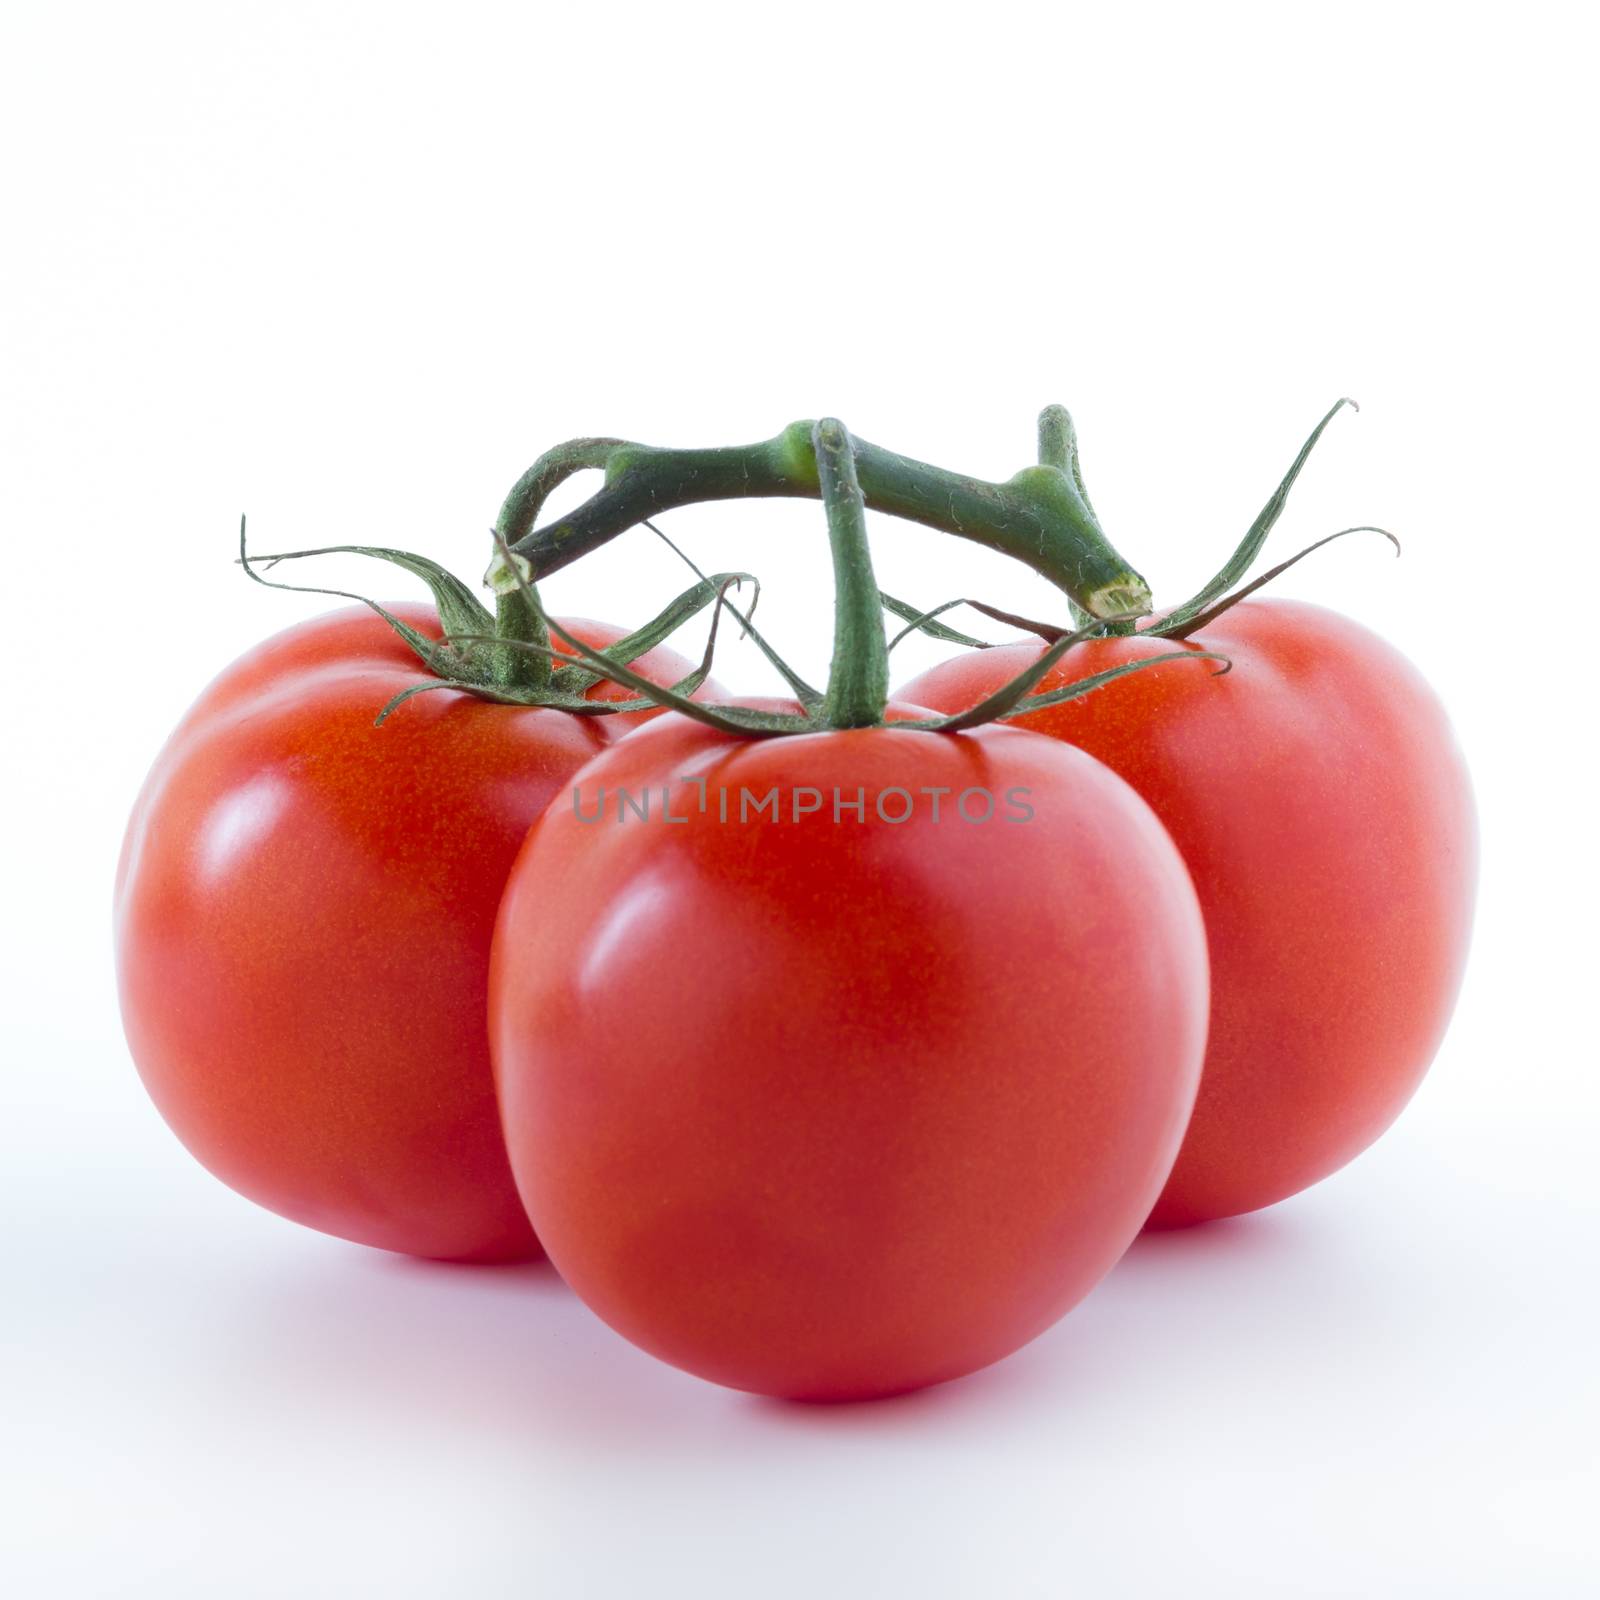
303 910
1317 795
791 1102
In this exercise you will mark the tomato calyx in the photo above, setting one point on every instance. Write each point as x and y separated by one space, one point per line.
505 655
1248 548
1225 589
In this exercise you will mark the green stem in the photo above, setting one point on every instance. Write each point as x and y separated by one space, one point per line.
518 618
1057 439
1039 517
529 493
519 621
1058 448
858 679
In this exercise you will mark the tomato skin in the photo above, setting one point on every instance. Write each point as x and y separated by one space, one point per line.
1318 797
358 631
791 1105
304 909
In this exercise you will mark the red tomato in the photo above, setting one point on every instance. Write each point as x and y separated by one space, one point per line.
791 1102
1318 797
304 907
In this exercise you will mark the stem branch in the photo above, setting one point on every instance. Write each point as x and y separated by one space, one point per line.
1039 517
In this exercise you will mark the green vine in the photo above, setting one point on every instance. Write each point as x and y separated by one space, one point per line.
858 678
1040 516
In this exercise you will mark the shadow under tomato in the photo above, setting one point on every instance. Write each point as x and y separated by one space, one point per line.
1238 1256
1250 1236
537 1276
507 1352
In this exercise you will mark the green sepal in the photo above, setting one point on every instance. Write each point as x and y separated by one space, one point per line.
529 698
459 609
1023 704
1166 630
659 628
730 719
1249 547
1013 699
1098 680
1047 631
808 696
473 655
919 621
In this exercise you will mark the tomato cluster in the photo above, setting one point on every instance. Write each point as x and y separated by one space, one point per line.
830 1047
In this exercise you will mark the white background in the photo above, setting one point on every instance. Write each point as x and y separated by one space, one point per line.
350 269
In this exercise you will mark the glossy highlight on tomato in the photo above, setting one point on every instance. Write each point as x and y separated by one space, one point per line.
791 1098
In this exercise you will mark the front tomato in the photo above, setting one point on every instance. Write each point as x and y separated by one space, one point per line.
782 1066
303 914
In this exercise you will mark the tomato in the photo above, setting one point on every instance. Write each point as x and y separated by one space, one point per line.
791 1102
1318 797
304 908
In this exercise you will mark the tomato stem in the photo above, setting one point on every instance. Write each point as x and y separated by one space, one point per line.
858 678
1058 447
522 506
1040 517
517 623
